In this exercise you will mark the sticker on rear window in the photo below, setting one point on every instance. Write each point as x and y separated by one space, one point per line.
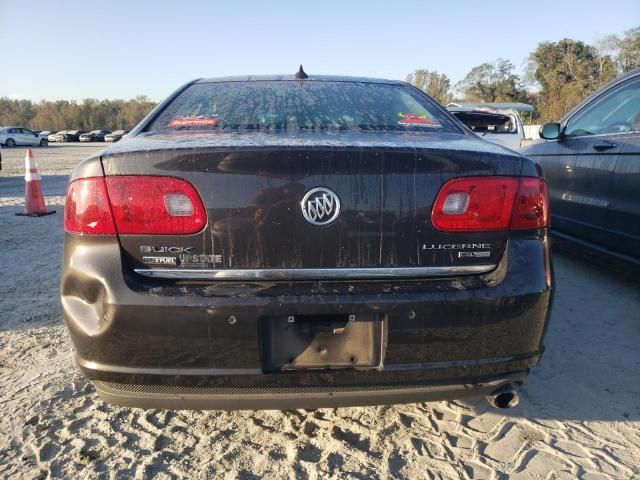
419 119
210 121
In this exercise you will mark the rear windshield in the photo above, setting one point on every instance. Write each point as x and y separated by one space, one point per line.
481 122
296 105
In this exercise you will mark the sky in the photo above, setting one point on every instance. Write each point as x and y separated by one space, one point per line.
120 49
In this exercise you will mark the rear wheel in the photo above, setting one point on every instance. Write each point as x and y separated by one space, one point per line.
44 142
10 142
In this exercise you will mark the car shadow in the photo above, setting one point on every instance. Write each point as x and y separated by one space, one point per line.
591 363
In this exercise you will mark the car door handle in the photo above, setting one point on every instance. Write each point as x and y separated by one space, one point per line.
604 146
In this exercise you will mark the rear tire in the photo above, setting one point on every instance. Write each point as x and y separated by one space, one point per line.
10 143
44 142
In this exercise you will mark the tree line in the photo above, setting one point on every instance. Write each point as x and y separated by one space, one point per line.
557 77
89 114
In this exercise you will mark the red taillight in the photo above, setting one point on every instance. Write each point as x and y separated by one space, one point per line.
155 205
487 203
133 205
86 209
532 204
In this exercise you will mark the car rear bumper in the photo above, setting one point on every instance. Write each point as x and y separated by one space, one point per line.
283 398
149 342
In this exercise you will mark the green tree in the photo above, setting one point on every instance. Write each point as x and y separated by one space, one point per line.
628 56
492 82
624 51
90 114
567 71
15 112
436 84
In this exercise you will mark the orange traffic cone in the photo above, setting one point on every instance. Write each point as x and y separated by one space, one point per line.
33 199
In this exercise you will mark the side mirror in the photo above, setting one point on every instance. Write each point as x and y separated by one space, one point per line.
550 131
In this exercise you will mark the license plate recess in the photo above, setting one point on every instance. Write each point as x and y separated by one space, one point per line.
322 342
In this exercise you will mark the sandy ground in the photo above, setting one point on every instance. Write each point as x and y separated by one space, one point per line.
579 415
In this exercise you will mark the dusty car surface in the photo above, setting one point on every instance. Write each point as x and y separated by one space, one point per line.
298 242
591 160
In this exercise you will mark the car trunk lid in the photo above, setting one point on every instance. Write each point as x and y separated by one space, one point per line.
252 186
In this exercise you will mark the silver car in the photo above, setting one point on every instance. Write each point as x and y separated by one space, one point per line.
13 136
492 122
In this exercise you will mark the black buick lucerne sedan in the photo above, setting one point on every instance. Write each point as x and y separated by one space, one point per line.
305 241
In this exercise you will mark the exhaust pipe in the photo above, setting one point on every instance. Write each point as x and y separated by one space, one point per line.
504 397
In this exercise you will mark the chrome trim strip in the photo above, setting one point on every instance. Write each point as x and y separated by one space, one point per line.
312 273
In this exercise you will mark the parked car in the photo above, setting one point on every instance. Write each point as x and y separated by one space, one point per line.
13 136
591 160
115 136
46 133
502 126
72 135
56 137
347 244
94 136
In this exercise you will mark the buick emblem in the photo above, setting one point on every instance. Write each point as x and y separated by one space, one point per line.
320 206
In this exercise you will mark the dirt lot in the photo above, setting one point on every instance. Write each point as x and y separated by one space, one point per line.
579 416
